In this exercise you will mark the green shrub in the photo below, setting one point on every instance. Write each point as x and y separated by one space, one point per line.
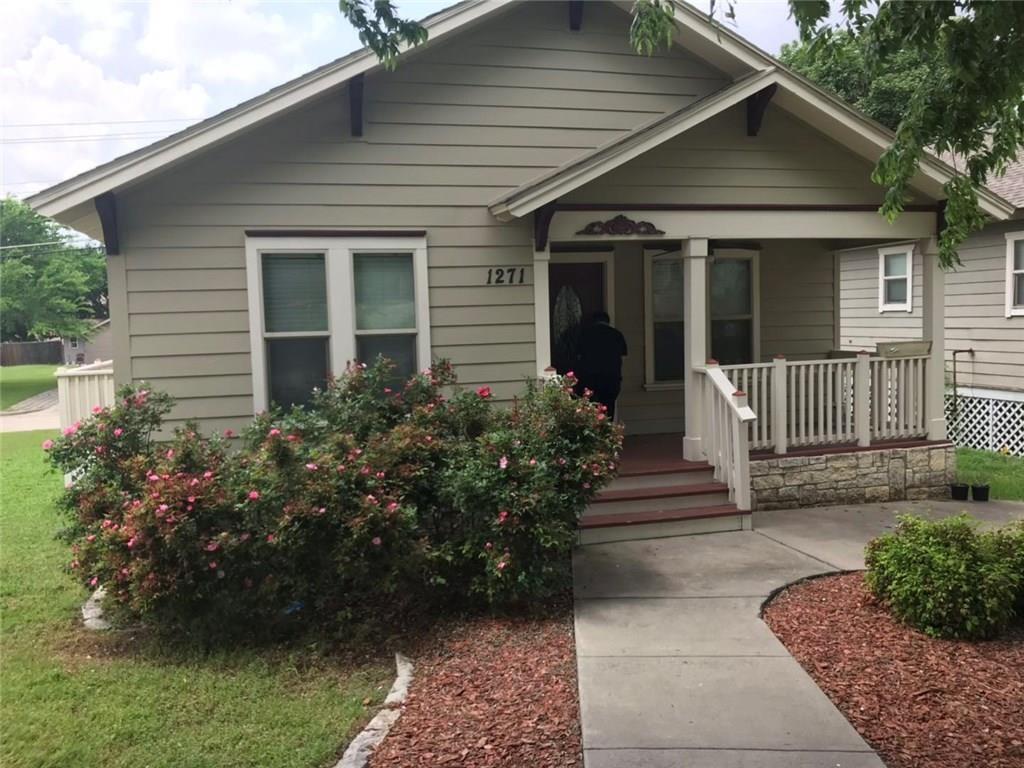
946 577
375 495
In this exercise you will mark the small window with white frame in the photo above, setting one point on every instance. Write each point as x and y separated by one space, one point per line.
895 279
663 350
1015 274
318 303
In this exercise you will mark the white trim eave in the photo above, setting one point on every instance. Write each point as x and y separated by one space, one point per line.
135 165
544 189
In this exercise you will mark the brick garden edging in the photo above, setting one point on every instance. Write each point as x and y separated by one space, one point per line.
888 474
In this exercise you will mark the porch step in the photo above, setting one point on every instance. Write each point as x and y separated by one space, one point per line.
659 498
685 473
597 528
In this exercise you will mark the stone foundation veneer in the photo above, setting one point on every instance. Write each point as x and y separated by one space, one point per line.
874 475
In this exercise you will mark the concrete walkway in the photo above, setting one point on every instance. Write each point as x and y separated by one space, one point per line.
677 669
37 412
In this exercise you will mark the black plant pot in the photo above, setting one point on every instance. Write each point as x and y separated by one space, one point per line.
979 492
958 491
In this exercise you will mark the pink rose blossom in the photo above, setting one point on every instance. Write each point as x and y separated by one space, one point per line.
503 462
213 546
533 462
484 392
488 546
191 499
131 542
207 474
100 450
47 445
213 565
170 453
97 409
502 517
292 438
91 537
270 538
254 495
229 433
94 581
376 541
392 506
275 432
118 432
68 431
371 499
312 467
502 565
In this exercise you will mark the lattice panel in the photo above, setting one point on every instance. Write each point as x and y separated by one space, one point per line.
986 423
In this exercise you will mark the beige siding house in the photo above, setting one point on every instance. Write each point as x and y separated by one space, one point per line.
522 166
984 320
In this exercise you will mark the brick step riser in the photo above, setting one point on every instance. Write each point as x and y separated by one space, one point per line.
663 530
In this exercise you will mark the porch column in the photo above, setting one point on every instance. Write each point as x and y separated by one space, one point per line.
695 351
541 310
933 326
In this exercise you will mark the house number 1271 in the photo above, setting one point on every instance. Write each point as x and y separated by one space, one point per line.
506 275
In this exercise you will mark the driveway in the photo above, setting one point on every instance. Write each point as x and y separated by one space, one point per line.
677 669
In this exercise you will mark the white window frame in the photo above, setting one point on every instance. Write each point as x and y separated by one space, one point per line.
650 256
905 306
1011 309
339 267
754 257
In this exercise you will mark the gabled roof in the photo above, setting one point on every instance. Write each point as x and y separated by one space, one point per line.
748 65
796 93
176 147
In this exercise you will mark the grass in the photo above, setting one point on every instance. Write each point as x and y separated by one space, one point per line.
18 382
1005 474
117 699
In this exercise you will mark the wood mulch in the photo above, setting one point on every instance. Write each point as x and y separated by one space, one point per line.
491 693
920 702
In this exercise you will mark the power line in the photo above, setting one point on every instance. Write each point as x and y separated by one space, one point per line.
91 137
102 122
31 245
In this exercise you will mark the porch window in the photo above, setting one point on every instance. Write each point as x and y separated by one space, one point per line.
732 299
664 324
895 268
1015 274
318 303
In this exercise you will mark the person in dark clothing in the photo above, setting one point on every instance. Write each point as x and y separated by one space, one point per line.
599 360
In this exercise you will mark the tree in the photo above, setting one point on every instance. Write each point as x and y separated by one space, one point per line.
971 107
49 285
841 67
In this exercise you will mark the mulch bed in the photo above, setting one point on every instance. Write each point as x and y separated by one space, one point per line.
490 693
920 702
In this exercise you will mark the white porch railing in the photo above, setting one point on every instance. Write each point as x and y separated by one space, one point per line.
832 402
728 421
81 388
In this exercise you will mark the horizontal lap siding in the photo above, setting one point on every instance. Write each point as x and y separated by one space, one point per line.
447 132
975 311
717 162
797 299
861 325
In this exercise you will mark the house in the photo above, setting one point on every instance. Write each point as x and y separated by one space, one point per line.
99 347
984 319
441 209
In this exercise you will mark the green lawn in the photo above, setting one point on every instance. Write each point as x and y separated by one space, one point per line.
1004 473
20 381
72 697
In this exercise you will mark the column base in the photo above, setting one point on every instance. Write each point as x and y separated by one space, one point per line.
692 450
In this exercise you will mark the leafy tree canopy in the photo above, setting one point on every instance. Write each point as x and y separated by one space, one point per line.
969 102
841 67
49 285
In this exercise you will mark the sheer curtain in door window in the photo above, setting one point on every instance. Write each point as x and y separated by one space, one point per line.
667 308
732 311
385 300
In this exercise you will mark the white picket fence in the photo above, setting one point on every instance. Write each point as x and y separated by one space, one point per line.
82 388
833 402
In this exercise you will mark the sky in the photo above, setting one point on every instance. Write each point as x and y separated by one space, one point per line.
83 81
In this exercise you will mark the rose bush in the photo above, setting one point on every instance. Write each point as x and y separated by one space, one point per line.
374 494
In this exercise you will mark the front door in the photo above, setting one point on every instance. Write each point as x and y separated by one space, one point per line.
576 292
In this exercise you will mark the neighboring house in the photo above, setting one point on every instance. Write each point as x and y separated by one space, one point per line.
984 318
524 153
99 347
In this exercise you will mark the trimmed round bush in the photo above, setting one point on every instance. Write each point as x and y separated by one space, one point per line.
946 577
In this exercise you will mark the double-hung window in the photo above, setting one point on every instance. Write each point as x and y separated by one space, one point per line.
664 319
1014 274
318 303
732 306
895 271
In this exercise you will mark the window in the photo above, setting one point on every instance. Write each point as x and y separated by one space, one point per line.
732 305
895 268
318 303
74 343
1014 274
664 322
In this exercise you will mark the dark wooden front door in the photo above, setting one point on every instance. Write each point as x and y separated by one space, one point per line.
576 292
